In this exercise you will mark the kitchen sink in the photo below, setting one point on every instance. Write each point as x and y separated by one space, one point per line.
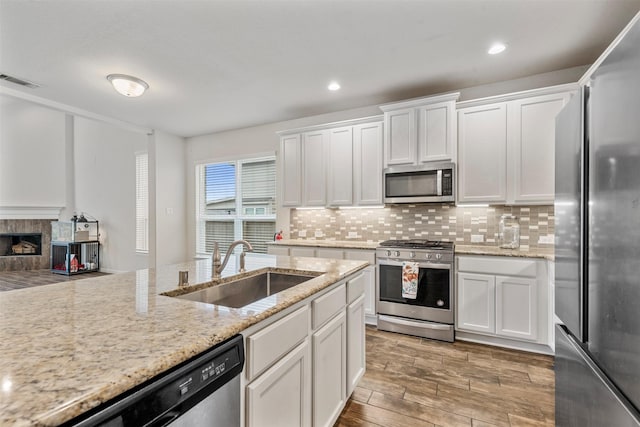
244 291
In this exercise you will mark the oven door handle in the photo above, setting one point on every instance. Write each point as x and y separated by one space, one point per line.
416 324
420 264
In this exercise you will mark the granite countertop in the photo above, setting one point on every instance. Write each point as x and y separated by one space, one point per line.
497 251
338 244
460 249
69 347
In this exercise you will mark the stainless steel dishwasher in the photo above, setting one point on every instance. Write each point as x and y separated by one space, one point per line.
204 391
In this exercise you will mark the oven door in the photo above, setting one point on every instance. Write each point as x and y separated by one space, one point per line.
434 300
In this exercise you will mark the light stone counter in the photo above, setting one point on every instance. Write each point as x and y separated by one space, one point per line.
69 347
497 251
338 244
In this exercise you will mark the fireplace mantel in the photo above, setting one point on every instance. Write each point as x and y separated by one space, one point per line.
30 212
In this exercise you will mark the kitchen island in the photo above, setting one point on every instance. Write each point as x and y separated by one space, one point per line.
68 347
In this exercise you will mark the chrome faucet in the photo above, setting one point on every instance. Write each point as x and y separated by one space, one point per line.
218 266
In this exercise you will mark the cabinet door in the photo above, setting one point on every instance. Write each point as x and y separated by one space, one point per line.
340 166
282 395
517 307
437 132
532 124
355 344
476 302
291 158
329 371
482 153
369 274
314 169
368 162
400 137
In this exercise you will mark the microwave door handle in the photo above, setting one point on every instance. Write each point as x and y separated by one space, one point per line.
439 182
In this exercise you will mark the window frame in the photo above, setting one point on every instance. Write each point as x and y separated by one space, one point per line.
238 219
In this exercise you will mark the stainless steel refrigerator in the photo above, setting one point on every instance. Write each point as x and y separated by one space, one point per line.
597 265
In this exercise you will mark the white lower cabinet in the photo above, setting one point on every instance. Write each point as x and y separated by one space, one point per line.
329 371
517 307
503 297
476 302
302 366
282 395
356 355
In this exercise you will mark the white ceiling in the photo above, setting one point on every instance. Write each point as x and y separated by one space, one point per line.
218 65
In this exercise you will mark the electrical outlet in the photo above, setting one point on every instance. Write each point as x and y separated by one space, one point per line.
546 240
477 238
302 233
319 233
352 234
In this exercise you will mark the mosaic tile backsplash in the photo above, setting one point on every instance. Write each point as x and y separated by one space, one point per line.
434 222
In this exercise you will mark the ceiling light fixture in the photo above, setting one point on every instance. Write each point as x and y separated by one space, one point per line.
496 48
128 85
333 86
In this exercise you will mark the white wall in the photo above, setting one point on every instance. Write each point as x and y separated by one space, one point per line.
105 188
32 154
261 139
170 198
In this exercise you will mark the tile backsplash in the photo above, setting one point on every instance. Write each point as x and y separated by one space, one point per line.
459 224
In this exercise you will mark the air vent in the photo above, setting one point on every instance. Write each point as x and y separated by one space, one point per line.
18 81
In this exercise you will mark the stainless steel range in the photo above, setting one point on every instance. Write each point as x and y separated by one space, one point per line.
427 312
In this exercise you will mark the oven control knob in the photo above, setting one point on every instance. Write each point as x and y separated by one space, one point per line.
428 256
397 253
388 253
412 254
438 256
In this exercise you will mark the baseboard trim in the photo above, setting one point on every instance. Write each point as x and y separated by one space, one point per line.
505 343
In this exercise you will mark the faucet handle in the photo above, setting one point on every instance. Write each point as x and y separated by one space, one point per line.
242 257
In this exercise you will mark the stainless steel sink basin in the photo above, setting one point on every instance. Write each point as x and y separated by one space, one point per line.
241 292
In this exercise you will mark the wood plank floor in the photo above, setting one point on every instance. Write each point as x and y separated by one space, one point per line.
418 382
11 280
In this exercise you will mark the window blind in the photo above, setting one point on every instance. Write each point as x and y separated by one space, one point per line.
230 196
142 202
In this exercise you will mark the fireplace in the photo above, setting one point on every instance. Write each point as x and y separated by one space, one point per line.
20 244
25 244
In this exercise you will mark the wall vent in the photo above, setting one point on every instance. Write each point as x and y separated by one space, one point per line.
18 81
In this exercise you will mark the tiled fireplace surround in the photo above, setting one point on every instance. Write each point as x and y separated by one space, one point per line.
30 262
428 221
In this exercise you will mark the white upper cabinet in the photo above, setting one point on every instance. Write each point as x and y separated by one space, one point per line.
338 164
482 156
367 164
291 170
532 141
314 169
506 147
340 168
420 130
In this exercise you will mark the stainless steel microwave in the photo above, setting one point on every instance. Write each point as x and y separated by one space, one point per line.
420 183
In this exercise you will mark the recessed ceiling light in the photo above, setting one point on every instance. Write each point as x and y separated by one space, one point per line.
128 85
333 86
496 48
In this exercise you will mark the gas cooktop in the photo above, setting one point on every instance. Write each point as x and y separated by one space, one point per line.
417 244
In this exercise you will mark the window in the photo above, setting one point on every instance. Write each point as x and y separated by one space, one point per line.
142 202
236 200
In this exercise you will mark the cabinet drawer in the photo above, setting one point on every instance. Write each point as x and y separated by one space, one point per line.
355 288
498 265
278 250
271 343
302 251
369 256
325 307
329 253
